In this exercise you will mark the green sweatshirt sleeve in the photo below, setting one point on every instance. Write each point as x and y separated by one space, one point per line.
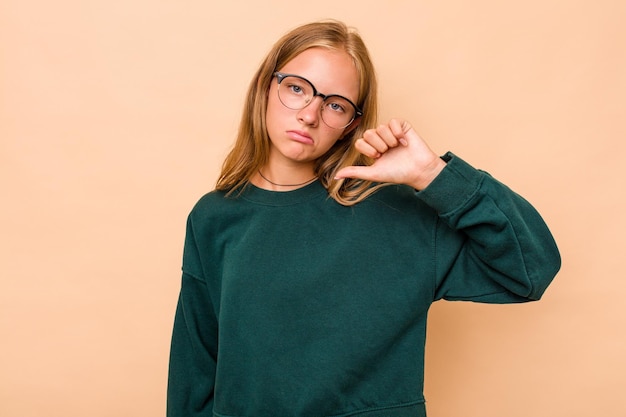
504 252
193 353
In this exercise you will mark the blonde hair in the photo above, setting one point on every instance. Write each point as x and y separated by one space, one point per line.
252 145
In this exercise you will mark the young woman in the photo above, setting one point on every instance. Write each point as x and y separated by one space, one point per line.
308 273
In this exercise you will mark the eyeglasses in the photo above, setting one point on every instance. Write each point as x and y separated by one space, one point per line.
297 92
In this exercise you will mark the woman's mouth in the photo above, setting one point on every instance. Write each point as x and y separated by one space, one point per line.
300 136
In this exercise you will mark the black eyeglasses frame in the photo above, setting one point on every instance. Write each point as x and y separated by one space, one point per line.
280 76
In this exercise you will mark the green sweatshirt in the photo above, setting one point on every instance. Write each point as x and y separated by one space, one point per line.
294 305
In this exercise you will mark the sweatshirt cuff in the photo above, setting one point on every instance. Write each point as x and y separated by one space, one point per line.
453 187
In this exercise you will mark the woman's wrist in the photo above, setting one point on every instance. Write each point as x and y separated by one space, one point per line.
428 174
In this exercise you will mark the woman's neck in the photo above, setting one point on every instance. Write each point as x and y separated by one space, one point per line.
284 178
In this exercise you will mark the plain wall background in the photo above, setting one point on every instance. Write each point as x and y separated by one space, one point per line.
115 117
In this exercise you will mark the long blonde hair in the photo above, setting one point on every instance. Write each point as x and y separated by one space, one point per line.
252 146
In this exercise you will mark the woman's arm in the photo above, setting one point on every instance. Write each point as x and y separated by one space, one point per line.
193 352
491 245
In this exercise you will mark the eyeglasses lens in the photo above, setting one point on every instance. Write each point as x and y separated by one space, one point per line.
296 93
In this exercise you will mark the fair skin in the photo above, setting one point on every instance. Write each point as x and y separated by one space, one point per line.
299 137
401 156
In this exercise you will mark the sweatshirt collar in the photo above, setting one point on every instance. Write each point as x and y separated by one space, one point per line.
258 195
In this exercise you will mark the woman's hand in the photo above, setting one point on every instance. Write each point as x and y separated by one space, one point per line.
401 157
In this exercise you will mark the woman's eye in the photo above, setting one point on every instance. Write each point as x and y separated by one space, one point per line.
336 107
295 88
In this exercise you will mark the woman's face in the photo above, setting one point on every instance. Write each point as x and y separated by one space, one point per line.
301 136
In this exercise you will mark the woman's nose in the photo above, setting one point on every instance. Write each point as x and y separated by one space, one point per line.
312 112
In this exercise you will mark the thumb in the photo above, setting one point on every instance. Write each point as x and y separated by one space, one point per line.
360 172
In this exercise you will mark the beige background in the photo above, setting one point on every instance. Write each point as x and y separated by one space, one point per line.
114 119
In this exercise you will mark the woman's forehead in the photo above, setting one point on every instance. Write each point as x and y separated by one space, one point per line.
331 71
